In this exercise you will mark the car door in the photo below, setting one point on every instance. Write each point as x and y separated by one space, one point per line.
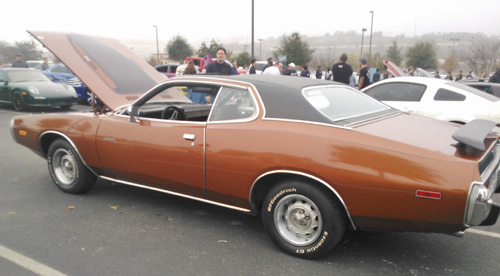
166 154
403 96
231 134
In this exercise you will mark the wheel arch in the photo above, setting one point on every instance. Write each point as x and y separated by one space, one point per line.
266 181
48 137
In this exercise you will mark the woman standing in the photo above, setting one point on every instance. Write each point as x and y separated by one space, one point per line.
194 96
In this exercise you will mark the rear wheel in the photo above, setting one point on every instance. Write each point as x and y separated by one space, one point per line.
303 219
67 169
18 102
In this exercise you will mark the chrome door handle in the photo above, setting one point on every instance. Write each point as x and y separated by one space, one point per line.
190 137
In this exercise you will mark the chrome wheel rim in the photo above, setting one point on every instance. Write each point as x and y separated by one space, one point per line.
64 166
298 220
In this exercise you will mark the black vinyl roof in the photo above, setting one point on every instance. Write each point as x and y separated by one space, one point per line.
282 96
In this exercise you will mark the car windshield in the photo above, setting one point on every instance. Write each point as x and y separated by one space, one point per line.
341 103
26 76
171 94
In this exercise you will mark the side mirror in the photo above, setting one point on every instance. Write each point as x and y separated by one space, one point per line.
133 112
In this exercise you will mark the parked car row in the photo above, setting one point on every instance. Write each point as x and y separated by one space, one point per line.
25 88
312 158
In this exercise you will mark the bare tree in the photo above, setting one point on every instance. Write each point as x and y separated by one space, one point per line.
481 55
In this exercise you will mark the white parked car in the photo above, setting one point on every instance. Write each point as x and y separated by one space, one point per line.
436 98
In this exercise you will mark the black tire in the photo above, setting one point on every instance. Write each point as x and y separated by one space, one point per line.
17 101
303 219
67 169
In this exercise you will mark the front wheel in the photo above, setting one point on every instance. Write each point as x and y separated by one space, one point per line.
18 102
67 169
303 219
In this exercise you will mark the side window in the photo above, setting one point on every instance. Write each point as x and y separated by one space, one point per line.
483 88
62 69
398 92
233 104
447 95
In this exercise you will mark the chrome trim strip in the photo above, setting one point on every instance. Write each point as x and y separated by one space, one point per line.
244 120
493 168
488 150
177 194
205 162
396 112
11 126
163 120
69 141
324 183
306 122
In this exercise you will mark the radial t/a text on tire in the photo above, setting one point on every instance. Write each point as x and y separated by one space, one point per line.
303 218
67 169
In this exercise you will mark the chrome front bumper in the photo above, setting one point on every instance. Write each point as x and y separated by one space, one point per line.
482 197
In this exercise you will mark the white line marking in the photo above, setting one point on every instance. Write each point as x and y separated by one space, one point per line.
28 263
485 233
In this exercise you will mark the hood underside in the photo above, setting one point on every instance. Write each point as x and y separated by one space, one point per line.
110 69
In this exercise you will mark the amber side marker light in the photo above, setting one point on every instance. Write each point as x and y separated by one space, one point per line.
22 132
428 194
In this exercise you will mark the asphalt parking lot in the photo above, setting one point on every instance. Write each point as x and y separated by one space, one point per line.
122 230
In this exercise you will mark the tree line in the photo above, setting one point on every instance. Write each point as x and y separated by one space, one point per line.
480 56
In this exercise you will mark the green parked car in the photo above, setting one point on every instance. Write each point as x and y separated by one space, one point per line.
25 88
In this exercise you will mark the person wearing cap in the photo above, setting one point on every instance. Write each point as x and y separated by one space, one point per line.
364 74
19 62
291 70
341 70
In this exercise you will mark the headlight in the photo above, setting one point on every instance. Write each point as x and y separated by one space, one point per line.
71 89
33 90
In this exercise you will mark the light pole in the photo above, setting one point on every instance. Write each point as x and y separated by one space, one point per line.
252 29
371 32
453 48
362 36
260 55
157 48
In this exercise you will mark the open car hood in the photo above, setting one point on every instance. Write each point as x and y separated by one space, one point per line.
110 69
394 69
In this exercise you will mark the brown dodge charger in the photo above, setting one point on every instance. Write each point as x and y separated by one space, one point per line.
313 158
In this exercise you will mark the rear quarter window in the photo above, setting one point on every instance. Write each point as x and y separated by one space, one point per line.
397 92
447 95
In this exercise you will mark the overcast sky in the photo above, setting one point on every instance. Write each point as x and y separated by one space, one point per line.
201 20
